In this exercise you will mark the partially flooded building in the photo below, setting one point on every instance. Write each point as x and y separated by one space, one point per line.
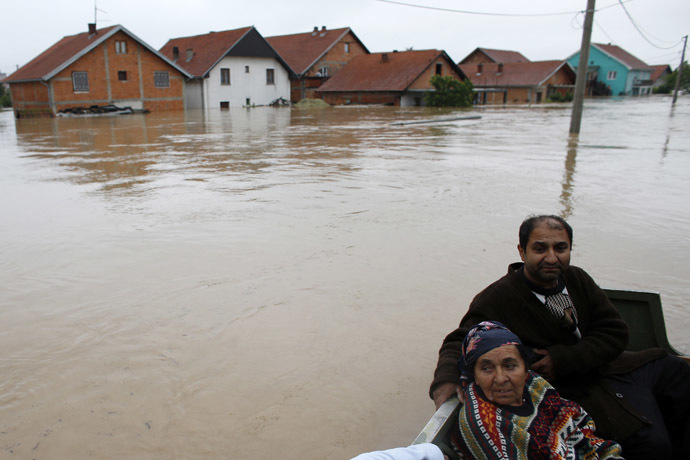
109 66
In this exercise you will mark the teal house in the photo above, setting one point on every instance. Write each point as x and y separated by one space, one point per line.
614 71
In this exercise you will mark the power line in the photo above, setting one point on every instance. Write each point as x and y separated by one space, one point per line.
639 30
482 13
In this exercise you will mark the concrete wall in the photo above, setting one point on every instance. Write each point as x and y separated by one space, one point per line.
245 85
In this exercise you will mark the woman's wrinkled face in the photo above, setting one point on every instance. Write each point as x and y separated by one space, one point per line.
501 373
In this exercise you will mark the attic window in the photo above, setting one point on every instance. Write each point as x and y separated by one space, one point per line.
347 48
176 53
80 81
246 69
611 75
120 47
439 68
190 54
323 72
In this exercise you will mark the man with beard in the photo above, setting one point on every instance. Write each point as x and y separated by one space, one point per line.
640 399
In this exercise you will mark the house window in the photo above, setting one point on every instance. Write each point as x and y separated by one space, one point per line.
612 75
439 68
248 101
161 79
246 69
224 76
120 47
80 81
323 72
270 77
347 47
122 75
224 104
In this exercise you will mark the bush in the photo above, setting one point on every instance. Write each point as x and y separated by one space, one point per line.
449 92
558 97
5 99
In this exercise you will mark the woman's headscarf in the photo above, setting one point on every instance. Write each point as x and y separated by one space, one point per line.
481 339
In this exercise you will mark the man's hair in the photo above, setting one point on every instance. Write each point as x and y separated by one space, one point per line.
554 222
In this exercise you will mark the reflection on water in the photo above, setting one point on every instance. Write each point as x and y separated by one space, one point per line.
236 284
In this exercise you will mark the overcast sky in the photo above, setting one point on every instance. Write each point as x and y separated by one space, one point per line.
30 26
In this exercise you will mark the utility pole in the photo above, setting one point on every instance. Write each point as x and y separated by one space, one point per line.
680 70
581 79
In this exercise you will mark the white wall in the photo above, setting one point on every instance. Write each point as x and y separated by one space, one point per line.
244 85
193 94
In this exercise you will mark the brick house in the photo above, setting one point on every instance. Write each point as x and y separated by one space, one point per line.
395 78
659 74
519 82
316 56
487 56
98 67
230 68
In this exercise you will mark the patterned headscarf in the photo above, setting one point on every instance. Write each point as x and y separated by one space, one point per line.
481 339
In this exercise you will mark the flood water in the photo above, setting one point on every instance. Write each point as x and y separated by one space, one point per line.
275 283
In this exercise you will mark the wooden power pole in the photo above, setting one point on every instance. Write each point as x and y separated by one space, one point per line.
581 79
680 70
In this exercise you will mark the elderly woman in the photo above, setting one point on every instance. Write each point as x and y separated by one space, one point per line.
511 412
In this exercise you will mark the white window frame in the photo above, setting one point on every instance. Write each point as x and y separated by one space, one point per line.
161 79
612 75
80 82
120 47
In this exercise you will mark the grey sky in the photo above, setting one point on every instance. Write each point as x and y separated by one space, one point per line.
31 26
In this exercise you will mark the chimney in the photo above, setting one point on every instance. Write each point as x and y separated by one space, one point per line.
176 53
316 31
480 67
500 68
323 31
92 28
384 57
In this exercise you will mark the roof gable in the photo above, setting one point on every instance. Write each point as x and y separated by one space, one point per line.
206 50
68 50
659 71
622 56
533 73
301 51
498 56
394 71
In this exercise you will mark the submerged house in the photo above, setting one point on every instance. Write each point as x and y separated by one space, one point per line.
316 56
659 74
395 78
519 82
98 67
233 68
616 71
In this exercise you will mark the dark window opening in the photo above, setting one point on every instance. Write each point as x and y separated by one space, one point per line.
270 77
224 104
122 75
439 69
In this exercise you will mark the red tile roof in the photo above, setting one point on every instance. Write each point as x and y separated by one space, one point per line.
64 51
68 50
301 51
504 56
659 71
374 72
514 74
208 49
623 56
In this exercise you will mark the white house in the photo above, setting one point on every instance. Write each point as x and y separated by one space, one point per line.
233 68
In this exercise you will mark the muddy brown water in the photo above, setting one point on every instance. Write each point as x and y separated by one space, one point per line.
275 283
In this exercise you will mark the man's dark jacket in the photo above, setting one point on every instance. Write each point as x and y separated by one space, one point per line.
578 365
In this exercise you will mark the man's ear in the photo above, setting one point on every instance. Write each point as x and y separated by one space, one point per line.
521 251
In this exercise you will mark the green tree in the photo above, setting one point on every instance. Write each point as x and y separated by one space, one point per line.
449 92
670 81
5 99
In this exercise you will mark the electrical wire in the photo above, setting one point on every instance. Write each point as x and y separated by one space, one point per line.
639 30
450 10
